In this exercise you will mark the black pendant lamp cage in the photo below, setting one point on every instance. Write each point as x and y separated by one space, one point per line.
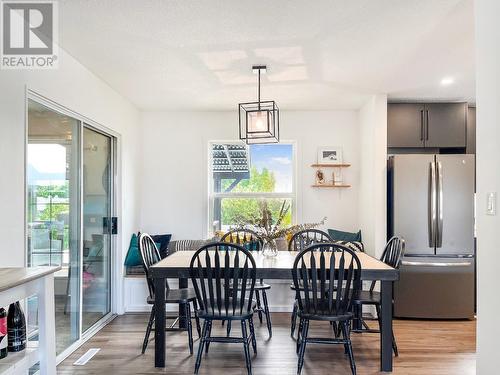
259 121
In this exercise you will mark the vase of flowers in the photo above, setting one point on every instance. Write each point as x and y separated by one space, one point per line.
270 248
271 228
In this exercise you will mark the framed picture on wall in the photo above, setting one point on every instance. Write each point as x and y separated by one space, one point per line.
330 155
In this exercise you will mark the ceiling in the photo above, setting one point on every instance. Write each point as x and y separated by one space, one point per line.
329 54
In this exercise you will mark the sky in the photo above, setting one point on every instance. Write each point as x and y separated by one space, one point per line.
277 158
46 164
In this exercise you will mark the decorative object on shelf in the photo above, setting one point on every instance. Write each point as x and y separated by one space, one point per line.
330 155
259 121
320 177
271 229
337 176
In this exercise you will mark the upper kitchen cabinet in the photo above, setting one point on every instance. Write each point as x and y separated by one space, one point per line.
405 125
446 125
435 125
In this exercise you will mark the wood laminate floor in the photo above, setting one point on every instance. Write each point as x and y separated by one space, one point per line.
425 347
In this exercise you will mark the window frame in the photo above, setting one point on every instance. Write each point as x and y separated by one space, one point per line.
213 195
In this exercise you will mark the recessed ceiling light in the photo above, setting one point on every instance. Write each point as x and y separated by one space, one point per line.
447 81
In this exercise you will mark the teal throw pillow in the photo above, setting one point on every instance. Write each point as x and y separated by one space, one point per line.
338 235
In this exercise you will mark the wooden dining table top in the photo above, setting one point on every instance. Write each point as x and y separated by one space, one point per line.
176 265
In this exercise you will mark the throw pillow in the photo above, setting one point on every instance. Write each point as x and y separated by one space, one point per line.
338 235
353 245
162 241
133 257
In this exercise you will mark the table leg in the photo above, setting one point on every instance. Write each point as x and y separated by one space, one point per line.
358 314
183 283
159 322
386 334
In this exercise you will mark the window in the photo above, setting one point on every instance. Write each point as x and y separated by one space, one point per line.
243 176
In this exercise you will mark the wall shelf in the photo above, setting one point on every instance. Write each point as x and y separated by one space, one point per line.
330 186
330 165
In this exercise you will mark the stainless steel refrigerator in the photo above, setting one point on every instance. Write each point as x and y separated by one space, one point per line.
431 205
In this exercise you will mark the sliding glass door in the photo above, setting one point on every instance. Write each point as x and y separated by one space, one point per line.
97 189
69 177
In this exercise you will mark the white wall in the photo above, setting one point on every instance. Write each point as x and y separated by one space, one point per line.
175 165
488 180
175 188
372 206
76 88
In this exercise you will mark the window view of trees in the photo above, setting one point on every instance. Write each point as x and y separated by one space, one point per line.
236 210
270 173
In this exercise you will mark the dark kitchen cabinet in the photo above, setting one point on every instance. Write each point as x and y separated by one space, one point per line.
433 125
446 125
405 126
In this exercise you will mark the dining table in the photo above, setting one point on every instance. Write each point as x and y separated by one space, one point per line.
176 265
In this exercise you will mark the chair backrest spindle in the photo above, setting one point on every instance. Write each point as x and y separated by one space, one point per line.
244 237
149 256
307 237
326 276
392 255
215 269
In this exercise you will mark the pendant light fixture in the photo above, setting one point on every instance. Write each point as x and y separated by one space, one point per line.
259 121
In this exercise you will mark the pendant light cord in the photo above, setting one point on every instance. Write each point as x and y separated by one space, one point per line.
259 90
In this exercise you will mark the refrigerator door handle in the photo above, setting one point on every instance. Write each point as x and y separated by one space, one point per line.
432 211
435 264
439 190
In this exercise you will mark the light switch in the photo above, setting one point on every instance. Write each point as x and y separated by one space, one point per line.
491 203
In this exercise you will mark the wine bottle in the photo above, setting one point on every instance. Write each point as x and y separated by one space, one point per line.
16 328
3 333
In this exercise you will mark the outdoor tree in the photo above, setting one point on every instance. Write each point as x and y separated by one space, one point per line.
235 209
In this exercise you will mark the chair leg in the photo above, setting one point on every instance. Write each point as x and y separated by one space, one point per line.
266 312
299 335
364 324
303 342
346 332
228 328
200 347
252 333
246 346
189 327
293 318
195 308
259 306
148 330
395 346
208 335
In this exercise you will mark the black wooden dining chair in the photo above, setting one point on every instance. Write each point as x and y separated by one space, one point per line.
326 278
392 255
300 241
213 269
251 241
150 255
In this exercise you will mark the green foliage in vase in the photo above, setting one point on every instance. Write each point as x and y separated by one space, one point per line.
270 226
